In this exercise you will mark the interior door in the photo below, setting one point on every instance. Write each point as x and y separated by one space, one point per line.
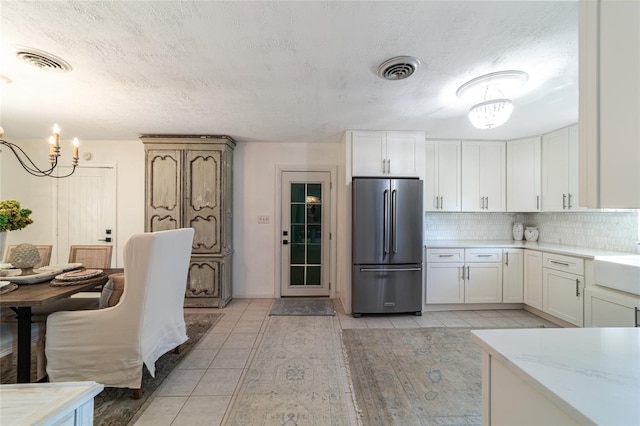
86 210
305 215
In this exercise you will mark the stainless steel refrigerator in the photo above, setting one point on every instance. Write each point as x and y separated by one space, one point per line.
387 246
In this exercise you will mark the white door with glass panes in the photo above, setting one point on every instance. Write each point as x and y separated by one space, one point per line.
305 234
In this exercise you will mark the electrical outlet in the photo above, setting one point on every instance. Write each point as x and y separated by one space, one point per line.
263 218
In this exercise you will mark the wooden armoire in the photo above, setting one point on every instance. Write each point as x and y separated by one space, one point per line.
188 184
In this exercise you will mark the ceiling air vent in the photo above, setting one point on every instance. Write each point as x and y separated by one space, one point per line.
398 68
41 59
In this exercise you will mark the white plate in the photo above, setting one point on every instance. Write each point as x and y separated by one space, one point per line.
6 266
63 267
33 279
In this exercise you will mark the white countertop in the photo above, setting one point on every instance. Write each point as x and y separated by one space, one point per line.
593 374
587 253
43 403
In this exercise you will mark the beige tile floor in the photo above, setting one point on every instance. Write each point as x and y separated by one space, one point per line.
201 390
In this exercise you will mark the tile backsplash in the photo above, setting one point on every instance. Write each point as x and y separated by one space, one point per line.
607 230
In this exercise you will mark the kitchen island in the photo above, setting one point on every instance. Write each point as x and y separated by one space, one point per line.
560 376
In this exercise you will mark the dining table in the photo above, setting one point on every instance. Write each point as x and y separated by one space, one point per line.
27 296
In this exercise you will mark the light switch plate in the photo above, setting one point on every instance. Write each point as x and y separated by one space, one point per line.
263 219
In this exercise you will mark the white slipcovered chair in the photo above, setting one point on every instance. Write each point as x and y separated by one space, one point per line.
110 346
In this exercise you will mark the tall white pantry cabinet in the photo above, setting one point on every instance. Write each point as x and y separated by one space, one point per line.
188 184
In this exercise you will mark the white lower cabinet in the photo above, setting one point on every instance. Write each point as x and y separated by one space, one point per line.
477 279
563 287
512 276
532 277
604 307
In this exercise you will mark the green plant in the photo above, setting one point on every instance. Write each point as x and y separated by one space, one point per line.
12 217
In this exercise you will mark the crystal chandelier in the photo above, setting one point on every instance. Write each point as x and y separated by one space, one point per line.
54 152
494 109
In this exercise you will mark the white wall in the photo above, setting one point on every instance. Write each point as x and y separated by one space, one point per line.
256 246
37 193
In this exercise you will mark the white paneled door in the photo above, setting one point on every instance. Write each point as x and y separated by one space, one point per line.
305 233
86 210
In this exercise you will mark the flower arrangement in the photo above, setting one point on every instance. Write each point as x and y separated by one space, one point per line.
12 217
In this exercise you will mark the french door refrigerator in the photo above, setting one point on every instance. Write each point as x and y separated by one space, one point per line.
386 246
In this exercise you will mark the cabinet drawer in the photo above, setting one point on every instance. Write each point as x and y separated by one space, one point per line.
483 255
445 255
573 265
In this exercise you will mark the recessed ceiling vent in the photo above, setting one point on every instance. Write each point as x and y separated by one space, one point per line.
398 68
41 59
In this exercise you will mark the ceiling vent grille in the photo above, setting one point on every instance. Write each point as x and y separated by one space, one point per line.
398 68
41 59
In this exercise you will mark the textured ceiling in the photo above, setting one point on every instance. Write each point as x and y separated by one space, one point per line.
281 71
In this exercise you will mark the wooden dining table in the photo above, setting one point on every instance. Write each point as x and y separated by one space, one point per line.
27 296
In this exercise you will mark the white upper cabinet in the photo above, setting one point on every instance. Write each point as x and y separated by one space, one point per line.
524 175
442 176
484 176
610 104
560 170
389 154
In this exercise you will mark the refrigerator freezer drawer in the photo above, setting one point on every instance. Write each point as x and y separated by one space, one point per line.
379 289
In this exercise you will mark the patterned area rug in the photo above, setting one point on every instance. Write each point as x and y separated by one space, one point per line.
115 407
302 307
429 376
294 378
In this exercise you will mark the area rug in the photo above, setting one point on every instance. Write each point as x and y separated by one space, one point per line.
294 377
302 307
428 376
115 407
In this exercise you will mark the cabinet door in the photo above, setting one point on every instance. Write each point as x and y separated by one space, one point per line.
203 189
204 278
607 308
164 191
513 276
573 185
533 278
442 176
445 283
369 154
562 295
402 158
493 182
555 170
524 175
431 201
470 172
483 176
449 177
483 283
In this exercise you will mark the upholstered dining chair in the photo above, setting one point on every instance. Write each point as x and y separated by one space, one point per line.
111 345
91 256
44 250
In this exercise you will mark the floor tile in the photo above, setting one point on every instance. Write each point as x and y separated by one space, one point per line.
378 323
247 326
231 358
353 323
429 322
404 322
213 340
480 322
218 381
181 382
240 341
198 359
454 322
202 411
161 411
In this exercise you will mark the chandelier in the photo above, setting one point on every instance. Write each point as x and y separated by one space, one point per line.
54 152
494 109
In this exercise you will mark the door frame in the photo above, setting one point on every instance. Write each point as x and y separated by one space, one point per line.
54 216
333 218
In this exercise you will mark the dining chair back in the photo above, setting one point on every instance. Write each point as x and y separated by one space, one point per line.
91 256
44 250
111 345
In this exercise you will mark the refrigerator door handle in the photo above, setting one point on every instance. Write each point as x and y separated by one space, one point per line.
389 269
385 225
394 219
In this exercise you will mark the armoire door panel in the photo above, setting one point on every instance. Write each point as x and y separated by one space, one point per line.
203 279
165 190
